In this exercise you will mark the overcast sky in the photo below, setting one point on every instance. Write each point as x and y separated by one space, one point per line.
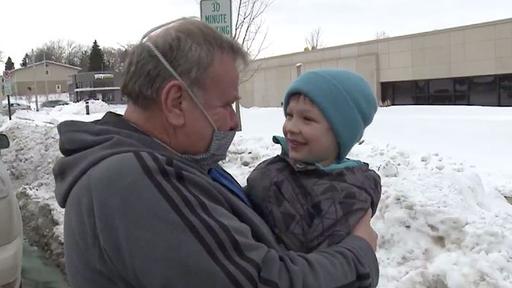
27 24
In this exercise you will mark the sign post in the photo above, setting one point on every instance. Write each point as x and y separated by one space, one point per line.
8 89
218 14
7 82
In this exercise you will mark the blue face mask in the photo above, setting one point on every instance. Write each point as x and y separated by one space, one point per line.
221 140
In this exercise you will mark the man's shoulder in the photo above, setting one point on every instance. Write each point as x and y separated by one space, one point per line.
121 163
142 163
152 166
139 177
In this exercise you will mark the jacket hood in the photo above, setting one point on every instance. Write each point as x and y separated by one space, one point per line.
85 144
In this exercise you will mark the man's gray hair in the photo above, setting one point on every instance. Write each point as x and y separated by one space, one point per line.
189 46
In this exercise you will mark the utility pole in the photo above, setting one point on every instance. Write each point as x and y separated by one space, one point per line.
46 75
35 83
299 68
7 88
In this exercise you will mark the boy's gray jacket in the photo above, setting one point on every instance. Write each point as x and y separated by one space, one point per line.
308 208
139 216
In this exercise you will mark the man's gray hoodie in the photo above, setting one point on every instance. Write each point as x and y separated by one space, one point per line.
138 215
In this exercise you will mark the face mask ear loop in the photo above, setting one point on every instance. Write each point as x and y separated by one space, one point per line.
164 62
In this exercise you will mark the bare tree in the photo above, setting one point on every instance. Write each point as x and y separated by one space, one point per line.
74 53
77 54
381 35
115 57
84 60
67 52
52 51
248 25
313 40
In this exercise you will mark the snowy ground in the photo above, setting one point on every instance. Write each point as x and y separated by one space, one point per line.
443 220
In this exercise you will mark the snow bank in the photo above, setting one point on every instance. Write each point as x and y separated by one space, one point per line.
442 221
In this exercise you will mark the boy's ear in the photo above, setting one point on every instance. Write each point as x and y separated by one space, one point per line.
171 99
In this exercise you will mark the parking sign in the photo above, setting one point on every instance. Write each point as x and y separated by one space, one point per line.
7 75
217 13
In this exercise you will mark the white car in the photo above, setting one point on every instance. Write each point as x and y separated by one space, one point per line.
11 229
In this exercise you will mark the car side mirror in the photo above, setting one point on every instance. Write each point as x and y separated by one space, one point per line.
4 141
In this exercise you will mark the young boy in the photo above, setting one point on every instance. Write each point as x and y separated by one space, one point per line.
311 195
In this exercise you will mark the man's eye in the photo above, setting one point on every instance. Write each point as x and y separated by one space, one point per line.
309 119
289 116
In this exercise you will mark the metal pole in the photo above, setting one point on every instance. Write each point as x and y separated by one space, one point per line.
299 68
237 104
35 91
46 76
87 107
9 105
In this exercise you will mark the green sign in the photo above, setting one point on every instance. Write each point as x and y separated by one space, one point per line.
217 13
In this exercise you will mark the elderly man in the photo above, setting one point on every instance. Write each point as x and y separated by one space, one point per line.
147 204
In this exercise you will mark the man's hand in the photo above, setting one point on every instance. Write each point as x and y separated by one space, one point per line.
364 230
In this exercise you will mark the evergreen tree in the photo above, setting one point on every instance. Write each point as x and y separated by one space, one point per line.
9 65
25 61
96 58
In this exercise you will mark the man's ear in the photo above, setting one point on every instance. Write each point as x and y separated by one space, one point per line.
171 99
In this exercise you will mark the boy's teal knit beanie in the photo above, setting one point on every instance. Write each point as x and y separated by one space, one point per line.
345 99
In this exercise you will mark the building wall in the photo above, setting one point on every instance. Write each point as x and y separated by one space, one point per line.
40 87
36 78
268 78
479 49
85 86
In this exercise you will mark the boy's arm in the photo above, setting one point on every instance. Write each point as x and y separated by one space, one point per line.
373 188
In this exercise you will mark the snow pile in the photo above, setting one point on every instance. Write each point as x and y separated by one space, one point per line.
443 222
30 158
72 111
79 108
438 225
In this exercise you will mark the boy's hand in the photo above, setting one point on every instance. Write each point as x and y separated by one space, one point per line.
364 230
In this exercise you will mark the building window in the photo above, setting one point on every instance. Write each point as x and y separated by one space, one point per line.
421 90
489 90
403 93
483 91
461 91
506 90
441 91
108 97
386 94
